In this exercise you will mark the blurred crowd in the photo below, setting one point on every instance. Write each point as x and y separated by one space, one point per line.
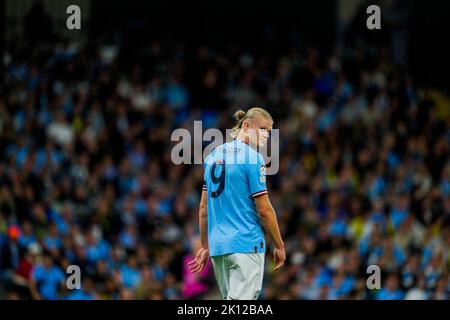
86 176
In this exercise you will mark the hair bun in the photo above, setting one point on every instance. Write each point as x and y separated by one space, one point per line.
238 115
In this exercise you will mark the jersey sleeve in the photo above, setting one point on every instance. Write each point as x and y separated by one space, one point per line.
257 177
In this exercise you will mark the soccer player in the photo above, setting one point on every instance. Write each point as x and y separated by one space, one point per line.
234 206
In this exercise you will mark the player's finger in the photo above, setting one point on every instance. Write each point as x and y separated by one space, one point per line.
275 258
195 270
191 262
196 259
199 266
198 269
278 266
193 266
278 262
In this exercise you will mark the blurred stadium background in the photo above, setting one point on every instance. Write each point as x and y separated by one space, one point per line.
86 118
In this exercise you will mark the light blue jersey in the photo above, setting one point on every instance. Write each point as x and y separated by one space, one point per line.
234 175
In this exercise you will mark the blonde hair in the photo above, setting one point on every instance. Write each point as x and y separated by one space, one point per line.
241 115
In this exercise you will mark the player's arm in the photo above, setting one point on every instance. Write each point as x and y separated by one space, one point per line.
258 190
201 258
203 220
269 220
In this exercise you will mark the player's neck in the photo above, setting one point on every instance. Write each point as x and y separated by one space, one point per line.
241 137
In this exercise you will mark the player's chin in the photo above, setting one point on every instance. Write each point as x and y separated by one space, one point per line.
262 143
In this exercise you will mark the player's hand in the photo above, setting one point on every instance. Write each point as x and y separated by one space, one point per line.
279 255
201 258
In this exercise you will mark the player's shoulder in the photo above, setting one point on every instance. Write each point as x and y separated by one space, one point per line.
255 152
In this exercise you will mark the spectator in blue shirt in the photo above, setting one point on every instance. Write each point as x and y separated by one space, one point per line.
130 274
47 279
84 293
391 290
